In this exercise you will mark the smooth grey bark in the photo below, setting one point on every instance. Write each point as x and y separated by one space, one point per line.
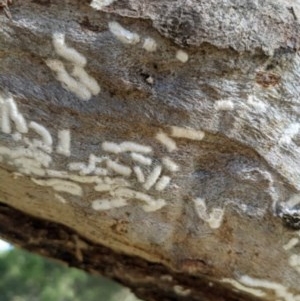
164 132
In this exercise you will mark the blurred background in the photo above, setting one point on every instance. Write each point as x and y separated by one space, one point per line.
29 277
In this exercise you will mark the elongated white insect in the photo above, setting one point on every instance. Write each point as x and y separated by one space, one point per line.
187 133
240 287
90 167
38 155
214 219
181 291
162 183
86 80
36 171
43 158
66 52
151 203
87 169
17 117
5 120
291 244
76 178
85 85
128 146
249 281
35 144
67 81
132 194
43 132
280 290
60 198
158 204
119 168
27 162
116 181
10 112
29 166
57 173
122 34
153 177
61 185
200 206
170 164
168 142
111 147
16 153
99 4
294 261
107 204
103 187
139 174
85 179
99 171
64 143
141 159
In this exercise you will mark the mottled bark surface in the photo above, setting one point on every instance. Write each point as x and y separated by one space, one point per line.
155 142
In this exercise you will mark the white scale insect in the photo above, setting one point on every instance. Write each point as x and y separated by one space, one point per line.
132 38
100 4
140 155
79 82
84 86
36 159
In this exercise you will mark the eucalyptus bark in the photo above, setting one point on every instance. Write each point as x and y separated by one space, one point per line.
155 142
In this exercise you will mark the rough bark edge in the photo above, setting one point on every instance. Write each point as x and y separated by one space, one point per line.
149 281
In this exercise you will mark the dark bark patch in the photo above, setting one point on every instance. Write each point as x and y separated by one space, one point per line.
267 79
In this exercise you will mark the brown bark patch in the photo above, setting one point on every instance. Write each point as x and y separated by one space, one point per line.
267 79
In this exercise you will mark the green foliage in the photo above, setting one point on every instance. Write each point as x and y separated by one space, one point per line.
28 277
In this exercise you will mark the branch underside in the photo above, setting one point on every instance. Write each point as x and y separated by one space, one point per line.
150 281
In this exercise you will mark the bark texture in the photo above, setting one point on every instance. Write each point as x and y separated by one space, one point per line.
155 142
